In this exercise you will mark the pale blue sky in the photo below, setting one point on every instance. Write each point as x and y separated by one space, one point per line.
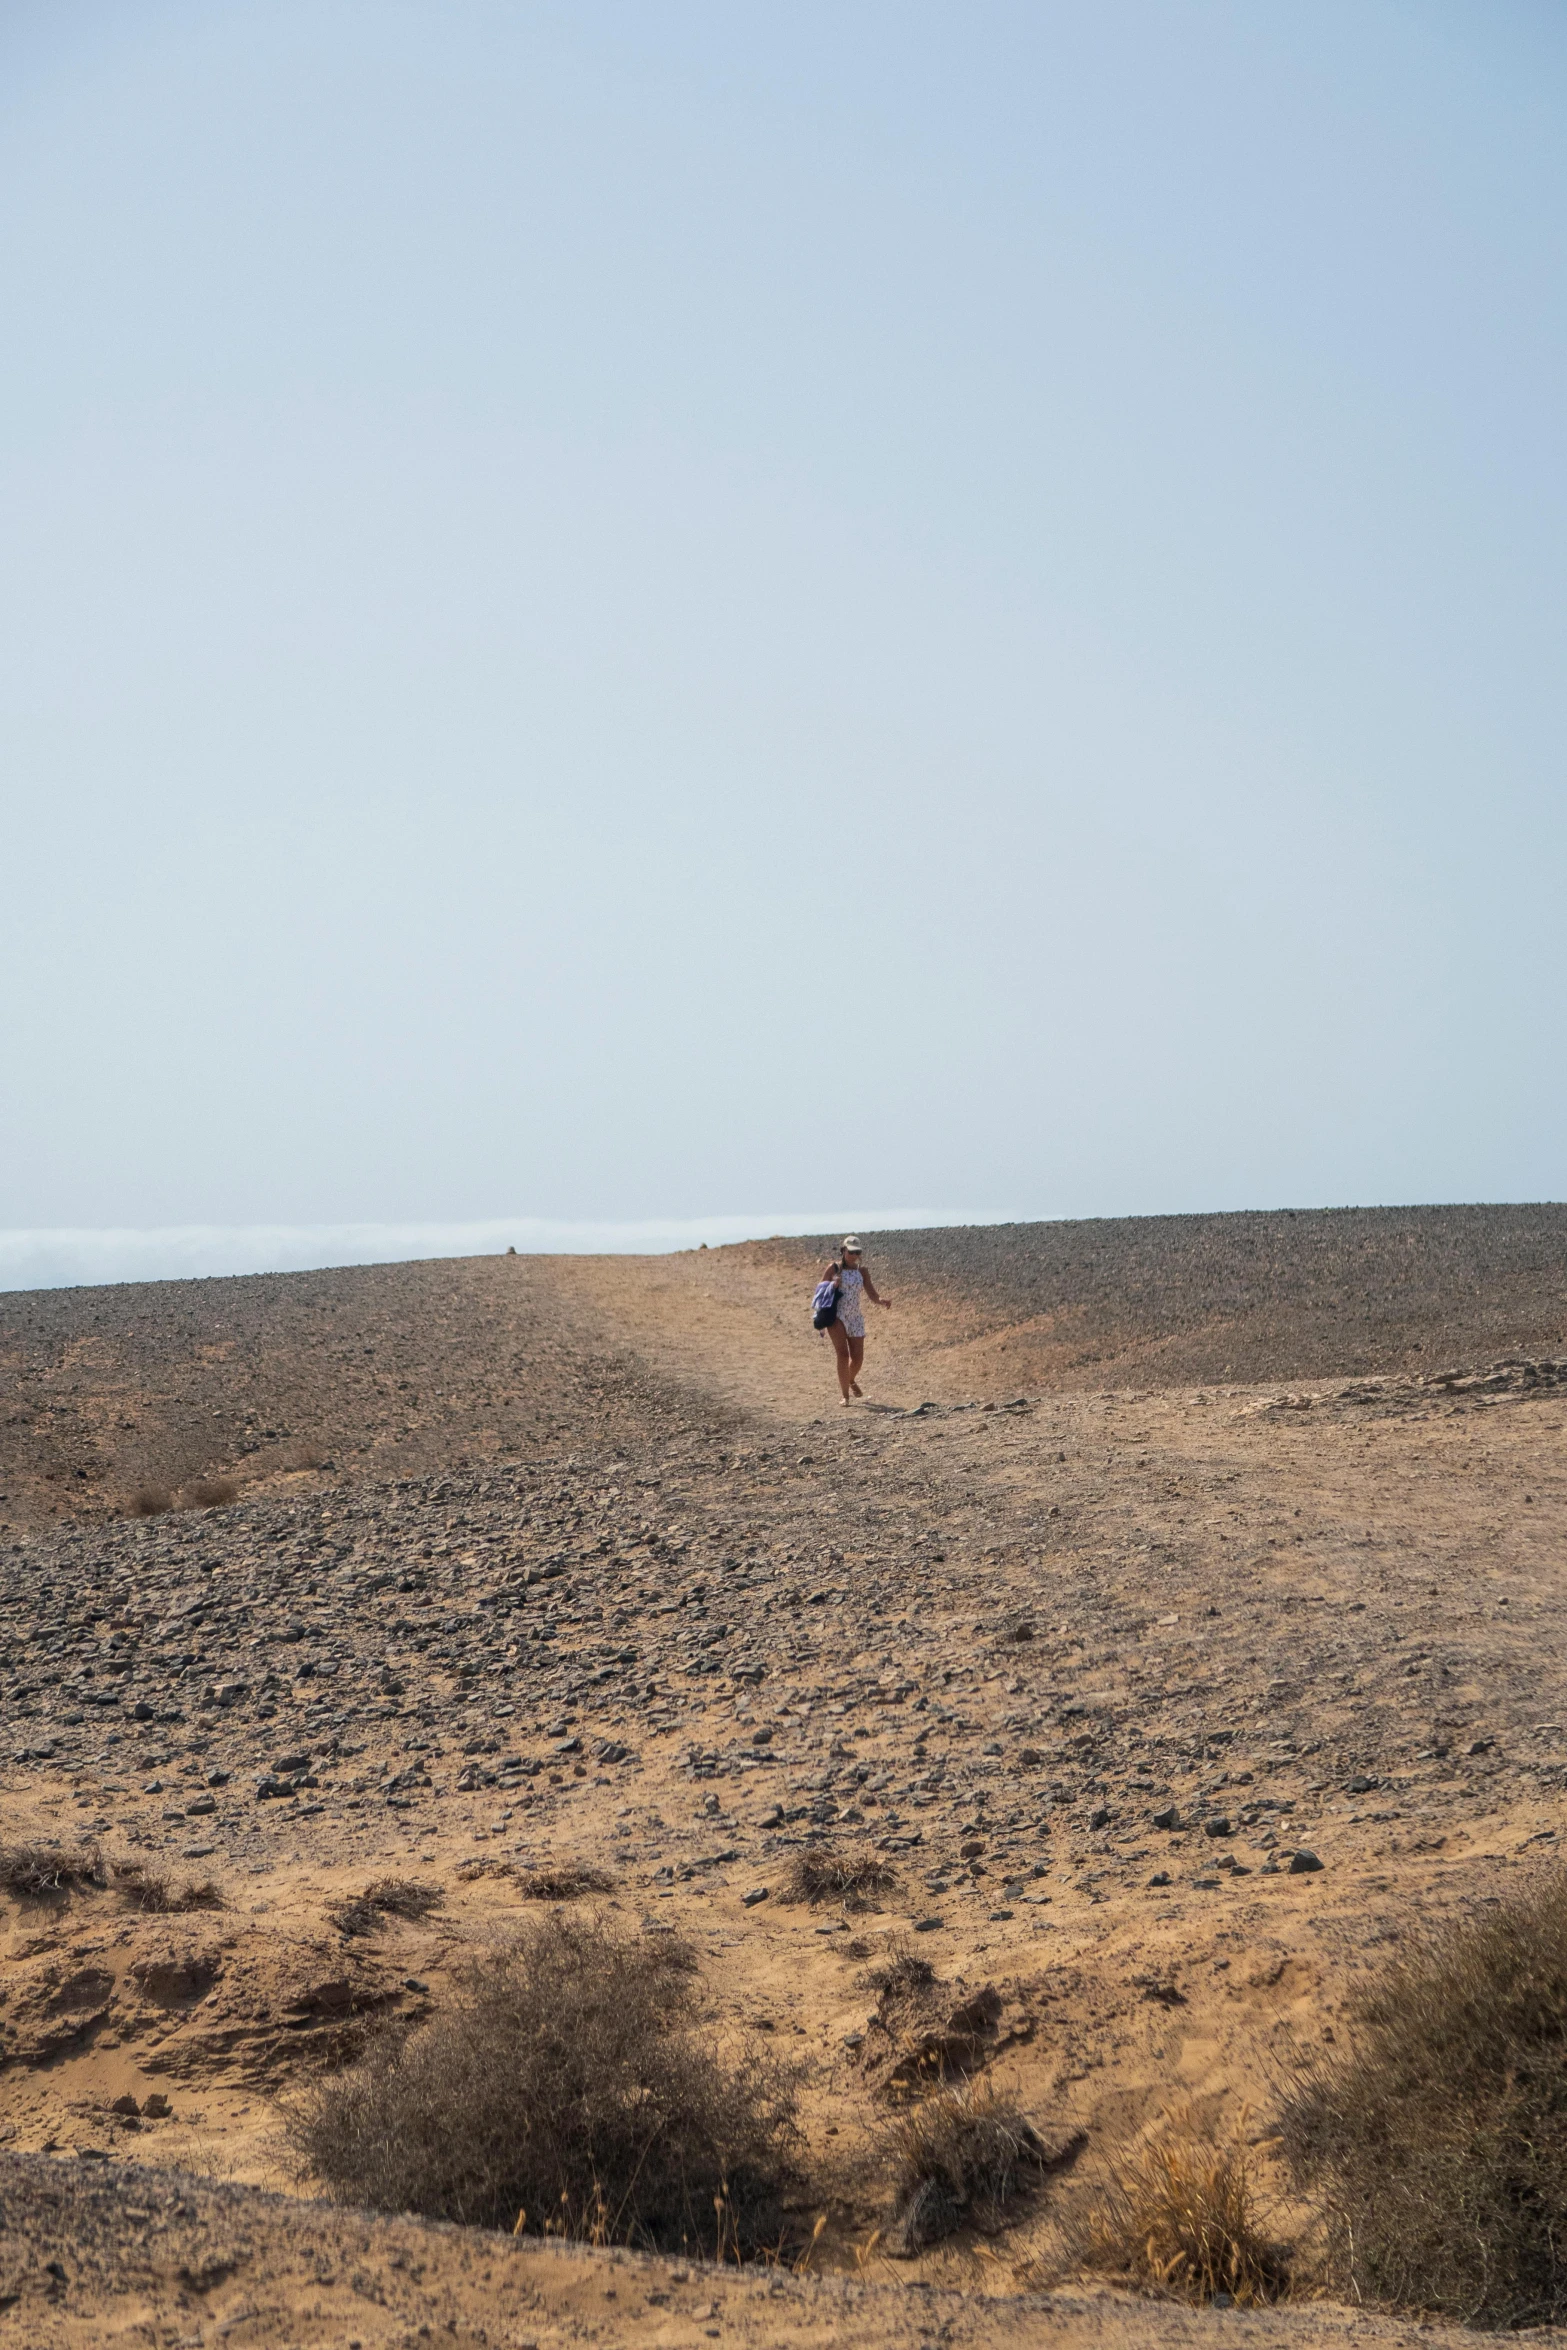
636 611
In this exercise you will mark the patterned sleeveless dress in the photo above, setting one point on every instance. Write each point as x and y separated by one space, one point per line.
851 1303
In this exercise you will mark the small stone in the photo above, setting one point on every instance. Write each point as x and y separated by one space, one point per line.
1100 1818
156 2108
1479 1746
1168 1818
756 1894
1160 1877
928 1925
1359 1784
1303 1862
1218 1827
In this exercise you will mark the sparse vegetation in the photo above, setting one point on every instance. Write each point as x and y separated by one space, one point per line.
150 1501
32 1872
208 1493
556 1881
902 1975
1437 2143
397 1897
856 1879
564 1883
565 2091
960 2158
1180 2217
145 1889
928 2039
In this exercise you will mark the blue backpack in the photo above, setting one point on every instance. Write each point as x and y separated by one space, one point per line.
824 1303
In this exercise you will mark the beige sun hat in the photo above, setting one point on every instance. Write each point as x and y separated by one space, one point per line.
851 1243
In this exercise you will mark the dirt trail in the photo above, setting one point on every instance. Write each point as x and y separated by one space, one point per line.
733 1329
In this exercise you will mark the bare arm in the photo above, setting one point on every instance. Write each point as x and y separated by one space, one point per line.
870 1291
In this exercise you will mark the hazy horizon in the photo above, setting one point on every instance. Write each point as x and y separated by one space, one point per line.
82 1258
632 610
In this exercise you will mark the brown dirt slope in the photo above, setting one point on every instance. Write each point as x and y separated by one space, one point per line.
1171 1711
1180 1301
88 2261
403 1369
380 1370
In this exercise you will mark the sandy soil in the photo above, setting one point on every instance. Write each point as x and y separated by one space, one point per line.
654 1601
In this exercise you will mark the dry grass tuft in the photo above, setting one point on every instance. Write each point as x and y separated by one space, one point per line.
208 1493
1180 2217
33 1872
902 1975
564 2092
162 1896
961 2158
150 1501
1437 2141
857 1879
397 1897
564 1883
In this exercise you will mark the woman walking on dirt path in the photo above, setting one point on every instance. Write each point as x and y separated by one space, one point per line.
847 1329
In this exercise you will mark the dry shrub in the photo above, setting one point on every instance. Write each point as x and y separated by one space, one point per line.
304 1456
397 1897
150 1501
962 2158
556 1881
927 2036
1437 2141
565 1883
565 2091
209 1493
162 1896
856 1879
1180 2217
32 1872
903 1975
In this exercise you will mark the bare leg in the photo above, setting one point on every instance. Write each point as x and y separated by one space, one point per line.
856 1358
840 1348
